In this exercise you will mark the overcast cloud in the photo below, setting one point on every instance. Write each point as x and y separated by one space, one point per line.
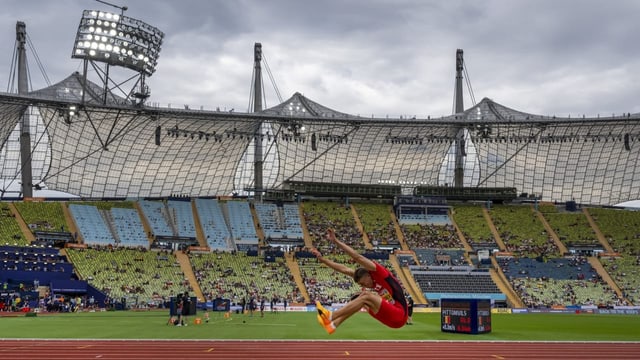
548 57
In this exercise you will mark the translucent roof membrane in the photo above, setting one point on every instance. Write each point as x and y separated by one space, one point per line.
120 150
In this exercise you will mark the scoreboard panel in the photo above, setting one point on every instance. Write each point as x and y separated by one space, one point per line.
467 316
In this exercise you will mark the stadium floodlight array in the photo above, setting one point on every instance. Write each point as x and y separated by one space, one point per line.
118 40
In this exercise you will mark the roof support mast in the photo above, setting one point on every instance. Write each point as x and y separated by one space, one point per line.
458 179
25 135
257 107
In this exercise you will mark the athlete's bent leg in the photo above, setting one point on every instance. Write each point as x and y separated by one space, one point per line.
370 300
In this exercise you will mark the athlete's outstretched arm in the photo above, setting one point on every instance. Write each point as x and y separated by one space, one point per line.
332 264
360 259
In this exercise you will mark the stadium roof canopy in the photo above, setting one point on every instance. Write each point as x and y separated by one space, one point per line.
123 150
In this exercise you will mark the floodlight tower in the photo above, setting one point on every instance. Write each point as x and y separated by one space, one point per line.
117 40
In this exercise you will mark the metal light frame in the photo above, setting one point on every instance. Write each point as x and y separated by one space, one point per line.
118 40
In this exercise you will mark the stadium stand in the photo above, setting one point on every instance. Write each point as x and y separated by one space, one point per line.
182 216
214 226
35 274
441 257
522 232
129 227
281 224
438 281
420 236
620 229
42 216
320 215
378 224
137 277
141 277
92 226
10 232
471 221
625 270
240 220
573 229
237 276
558 282
156 214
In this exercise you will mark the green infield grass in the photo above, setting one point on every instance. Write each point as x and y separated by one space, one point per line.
304 326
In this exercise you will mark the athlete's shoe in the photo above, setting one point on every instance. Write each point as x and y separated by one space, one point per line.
323 313
328 327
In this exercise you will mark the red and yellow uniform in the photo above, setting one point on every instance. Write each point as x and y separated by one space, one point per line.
393 308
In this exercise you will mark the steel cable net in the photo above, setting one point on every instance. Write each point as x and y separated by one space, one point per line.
113 151
115 154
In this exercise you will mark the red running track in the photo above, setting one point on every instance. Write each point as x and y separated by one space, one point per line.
308 350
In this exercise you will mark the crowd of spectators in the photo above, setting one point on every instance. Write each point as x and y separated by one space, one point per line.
558 282
529 247
130 272
625 271
236 276
423 236
522 232
319 216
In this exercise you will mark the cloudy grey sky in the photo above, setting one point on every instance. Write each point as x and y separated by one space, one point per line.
380 57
